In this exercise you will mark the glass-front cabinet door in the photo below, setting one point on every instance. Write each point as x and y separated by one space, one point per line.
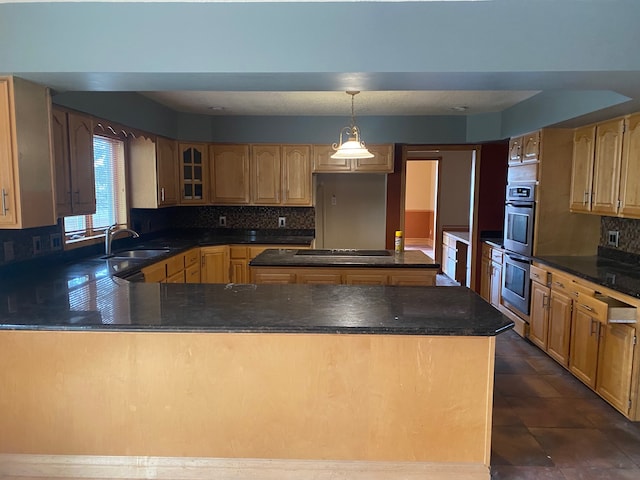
193 173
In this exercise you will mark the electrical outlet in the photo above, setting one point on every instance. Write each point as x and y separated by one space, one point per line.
8 251
613 238
282 222
222 221
37 245
55 240
334 200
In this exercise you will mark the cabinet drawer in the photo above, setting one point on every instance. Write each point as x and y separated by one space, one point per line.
176 277
238 252
175 265
191 257
565 283
496 255
606 309
539 275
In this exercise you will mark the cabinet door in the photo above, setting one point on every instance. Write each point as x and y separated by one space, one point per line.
155 273
323 163
630 171
582 169
382 161
559 335
62 167
215 264
83 197
266 176
515 151
7 188
539 318
496 284
296 175
192 273
606 167
485 285
193 173
615 364
239 270
531 147
229 168
583 357
167 166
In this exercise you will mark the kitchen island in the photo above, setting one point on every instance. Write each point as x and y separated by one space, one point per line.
344 266
109 378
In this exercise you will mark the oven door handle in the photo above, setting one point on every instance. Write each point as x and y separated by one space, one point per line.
517 258
520 204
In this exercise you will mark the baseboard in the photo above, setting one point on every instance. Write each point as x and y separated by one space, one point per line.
16 466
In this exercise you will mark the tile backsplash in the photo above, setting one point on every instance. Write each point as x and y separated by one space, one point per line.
629 239
18 245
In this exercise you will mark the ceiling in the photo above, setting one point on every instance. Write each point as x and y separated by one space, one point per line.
401 103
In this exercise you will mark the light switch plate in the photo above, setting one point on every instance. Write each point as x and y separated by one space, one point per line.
222 221
282 222
613 238
55 240
37 245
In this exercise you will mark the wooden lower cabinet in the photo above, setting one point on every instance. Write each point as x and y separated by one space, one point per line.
559 336
156 273
539 315
214 264
615 365
347 276
583 359
181 268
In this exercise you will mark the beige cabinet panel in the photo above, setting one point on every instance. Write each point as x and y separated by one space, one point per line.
83 197
630 171
615 365
365 279
496 284
606 166
296 175
539 316
382 161
193 173
266 174
273 278
62 167
582 168
323 163
319 278
229 172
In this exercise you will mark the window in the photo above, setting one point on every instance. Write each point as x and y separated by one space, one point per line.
111 194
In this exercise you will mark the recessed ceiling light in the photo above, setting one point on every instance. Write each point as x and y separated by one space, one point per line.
460 108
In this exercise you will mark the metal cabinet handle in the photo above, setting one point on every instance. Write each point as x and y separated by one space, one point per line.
5 209
162 194
586 307
593 330
535 275
545 301
585 197
560 284
575 294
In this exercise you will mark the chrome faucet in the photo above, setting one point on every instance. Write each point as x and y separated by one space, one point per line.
110 233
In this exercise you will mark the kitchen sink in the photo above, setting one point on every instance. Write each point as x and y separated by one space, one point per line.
345 252
141 253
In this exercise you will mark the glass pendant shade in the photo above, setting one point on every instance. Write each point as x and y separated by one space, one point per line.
353 147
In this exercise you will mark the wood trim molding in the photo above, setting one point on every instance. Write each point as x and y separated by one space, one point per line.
16 466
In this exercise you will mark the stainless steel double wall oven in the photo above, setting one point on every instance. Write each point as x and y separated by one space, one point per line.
518 244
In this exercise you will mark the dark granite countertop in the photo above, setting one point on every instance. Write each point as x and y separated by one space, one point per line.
620 276
87 294
113 304
343 258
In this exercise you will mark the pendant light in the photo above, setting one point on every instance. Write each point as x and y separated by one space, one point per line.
353 147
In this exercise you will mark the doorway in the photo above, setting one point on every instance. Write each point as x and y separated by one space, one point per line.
420 205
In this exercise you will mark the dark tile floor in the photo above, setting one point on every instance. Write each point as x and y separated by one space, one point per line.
549 426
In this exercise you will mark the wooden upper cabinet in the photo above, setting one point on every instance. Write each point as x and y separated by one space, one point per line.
82 170
229 168
530 147
630 169
515 150
266 177
193 173
167 169
582 168
296 175
606 167
382 161
62 166
153 170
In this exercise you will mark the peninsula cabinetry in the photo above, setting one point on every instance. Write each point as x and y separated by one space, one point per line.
181 268
214 264
153 168
342 275
26 172
382 161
